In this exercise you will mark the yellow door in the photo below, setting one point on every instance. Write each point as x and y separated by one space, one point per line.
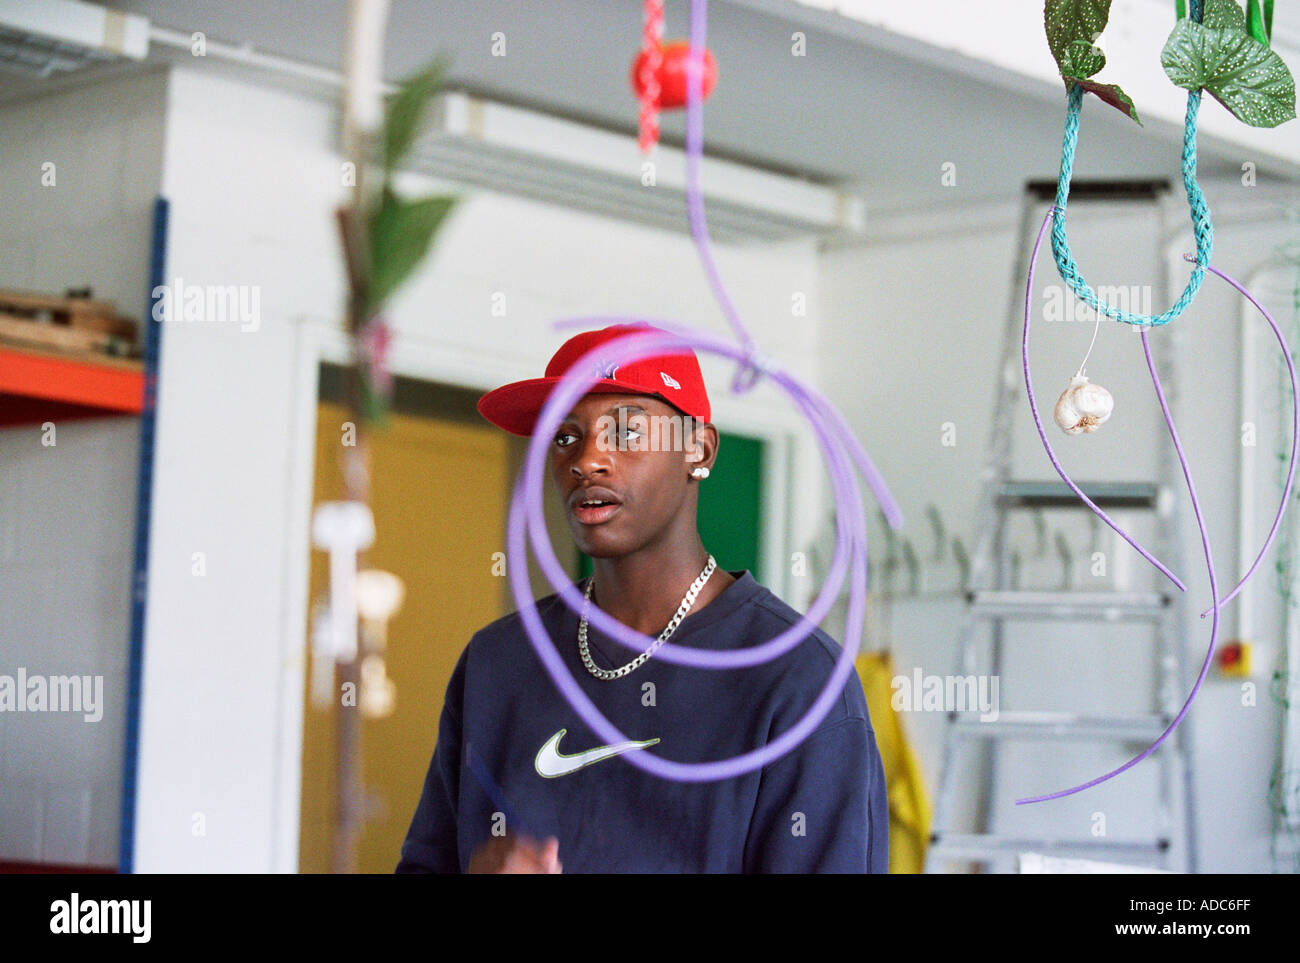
440 492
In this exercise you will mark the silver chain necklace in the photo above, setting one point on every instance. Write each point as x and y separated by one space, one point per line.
610 674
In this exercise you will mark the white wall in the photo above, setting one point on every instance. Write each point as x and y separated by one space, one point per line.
253 175
67 511
911 355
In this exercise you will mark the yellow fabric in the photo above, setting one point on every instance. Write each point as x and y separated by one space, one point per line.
909 806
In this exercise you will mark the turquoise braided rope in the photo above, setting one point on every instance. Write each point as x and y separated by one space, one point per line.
1200 214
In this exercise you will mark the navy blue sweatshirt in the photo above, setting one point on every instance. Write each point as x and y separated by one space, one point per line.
539 770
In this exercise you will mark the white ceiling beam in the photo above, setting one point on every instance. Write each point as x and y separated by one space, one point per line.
80 24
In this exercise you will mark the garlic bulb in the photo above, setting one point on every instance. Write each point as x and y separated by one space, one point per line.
1083 406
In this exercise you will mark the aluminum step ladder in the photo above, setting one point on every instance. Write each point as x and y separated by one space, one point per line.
992 599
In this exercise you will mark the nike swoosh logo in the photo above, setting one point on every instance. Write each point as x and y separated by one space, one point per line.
551 762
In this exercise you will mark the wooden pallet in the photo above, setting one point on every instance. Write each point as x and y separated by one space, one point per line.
67 324
108 361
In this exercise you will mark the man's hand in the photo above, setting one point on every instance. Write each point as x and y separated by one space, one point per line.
516 854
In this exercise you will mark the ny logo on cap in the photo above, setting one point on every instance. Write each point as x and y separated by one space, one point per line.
606 369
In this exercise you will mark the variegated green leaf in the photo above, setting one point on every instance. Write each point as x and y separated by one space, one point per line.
1223 15
1073 27
1248 78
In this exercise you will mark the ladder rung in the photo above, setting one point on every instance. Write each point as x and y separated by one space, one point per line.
1060 725
1104 606
975 844
994 596
1050 494
1101 190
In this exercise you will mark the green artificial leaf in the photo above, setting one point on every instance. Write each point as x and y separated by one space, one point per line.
1223 15
400 234
1258 25
1073 27
406 108
1248 78
1110 93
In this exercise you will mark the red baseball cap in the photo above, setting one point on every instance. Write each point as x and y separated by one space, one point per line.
674 378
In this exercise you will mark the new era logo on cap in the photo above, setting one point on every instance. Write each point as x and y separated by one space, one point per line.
516 407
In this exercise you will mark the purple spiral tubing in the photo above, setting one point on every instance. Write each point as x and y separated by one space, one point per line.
636 345
1191 489
1295 434
744 379
833 436
526 510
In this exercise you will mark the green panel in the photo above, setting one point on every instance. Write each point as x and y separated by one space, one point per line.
731 502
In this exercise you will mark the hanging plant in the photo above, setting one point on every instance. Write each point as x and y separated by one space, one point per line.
399 232
401 229
1073 27
1227 53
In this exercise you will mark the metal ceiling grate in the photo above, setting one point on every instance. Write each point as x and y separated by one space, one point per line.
597 192
576 165
33 56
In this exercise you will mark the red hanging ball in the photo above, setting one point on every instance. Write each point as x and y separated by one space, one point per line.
672 75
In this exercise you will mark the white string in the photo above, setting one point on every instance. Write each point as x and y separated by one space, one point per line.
1095 329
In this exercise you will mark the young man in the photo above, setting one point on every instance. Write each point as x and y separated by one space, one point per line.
518 783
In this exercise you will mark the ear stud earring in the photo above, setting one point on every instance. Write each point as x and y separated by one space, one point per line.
700 473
